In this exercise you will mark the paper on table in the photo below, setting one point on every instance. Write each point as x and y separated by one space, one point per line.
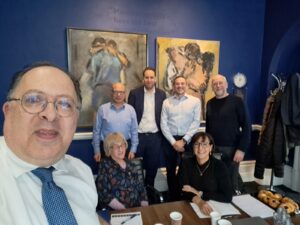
134 218
252 206
220 207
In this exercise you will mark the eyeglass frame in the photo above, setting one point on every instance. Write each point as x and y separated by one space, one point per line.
201 144
118 92
45 104
116 146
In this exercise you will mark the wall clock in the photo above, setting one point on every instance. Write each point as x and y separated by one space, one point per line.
239 80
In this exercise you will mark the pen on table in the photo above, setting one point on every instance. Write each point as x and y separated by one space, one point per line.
131 217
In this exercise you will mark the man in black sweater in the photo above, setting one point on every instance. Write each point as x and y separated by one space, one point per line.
227 120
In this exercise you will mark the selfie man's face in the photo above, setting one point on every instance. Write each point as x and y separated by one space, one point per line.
42 138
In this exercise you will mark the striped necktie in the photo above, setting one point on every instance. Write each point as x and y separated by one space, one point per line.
55 202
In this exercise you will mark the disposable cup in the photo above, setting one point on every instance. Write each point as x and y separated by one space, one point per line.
176 218
215 216
224 222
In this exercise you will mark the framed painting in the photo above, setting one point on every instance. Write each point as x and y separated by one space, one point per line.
97 59
196 60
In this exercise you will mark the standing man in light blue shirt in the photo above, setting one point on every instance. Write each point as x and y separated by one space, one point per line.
115 116
180 119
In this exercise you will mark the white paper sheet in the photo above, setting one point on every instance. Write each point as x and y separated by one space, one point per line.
252 206
220 207
134 218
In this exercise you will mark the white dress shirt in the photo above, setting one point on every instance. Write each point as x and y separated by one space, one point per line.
180 117
20 190
148 123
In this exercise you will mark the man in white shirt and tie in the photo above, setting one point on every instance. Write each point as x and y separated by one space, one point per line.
41 115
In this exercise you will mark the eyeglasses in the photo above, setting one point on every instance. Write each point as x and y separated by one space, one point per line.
201 144
119 92
120 146
35 102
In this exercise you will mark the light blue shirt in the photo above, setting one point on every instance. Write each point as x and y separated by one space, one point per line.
180 117
110 119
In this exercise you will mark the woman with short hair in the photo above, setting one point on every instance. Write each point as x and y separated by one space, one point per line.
118 184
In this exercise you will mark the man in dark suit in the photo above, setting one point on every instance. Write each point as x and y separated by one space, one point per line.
147 101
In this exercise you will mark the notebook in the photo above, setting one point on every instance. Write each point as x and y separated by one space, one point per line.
222 208
252 206
133 218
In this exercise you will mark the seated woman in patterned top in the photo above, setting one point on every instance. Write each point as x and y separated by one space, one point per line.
118 184
203 177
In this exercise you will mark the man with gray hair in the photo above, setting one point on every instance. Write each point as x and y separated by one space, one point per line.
227 120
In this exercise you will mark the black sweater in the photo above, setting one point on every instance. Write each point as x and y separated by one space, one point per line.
215 182
224 118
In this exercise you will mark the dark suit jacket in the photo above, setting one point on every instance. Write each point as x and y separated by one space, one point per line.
136 99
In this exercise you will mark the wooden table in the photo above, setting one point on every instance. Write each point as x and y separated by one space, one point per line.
159 213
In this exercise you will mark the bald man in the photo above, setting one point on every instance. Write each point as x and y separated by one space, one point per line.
41 112
227 120
115 116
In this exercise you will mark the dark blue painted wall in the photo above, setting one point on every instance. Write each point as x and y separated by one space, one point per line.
36 30
281 46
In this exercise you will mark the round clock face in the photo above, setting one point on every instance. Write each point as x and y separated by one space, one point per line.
239 80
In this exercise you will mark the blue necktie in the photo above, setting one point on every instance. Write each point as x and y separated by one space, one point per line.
56 205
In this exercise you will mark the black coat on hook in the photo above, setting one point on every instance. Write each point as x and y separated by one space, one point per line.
290 108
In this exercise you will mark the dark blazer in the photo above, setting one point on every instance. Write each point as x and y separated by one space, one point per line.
136 99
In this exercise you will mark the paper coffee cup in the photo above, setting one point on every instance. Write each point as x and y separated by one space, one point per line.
224 222
176 218
215 216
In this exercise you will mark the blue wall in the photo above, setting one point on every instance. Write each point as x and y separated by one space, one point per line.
36 30
281 46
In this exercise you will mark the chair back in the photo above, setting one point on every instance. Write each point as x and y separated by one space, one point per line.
154 196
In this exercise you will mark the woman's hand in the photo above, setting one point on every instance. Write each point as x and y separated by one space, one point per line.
188 188
205 208
203 205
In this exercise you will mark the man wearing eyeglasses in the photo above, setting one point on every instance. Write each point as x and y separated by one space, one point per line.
115 116
40 184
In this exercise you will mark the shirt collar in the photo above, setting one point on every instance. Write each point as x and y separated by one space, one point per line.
149 92
112 106
19 166
185 96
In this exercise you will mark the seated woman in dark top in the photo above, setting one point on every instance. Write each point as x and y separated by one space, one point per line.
203 177
118 185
